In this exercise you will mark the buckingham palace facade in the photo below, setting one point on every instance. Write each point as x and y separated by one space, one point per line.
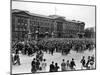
26 25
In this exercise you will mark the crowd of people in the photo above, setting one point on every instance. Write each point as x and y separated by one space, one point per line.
65 65
38 65
51 46
63 46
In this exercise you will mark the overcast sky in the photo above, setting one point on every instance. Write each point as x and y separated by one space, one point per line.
72 12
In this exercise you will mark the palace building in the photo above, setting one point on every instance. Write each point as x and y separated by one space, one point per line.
26 25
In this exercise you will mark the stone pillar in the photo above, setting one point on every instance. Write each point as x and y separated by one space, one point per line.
29 31
55 29
16 23
16 29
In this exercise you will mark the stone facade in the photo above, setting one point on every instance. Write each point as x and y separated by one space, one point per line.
28 25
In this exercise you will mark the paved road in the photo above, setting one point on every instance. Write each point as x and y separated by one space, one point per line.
25 66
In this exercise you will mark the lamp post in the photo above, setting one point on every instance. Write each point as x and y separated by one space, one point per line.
29 30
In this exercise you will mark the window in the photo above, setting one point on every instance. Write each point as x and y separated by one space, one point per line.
59 26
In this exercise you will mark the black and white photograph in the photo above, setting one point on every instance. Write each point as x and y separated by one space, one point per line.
52 37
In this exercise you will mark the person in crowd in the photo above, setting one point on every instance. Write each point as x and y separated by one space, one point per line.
26 49
67 65
29 51
44 64
92 58
52 51
52 67
63 65
40 67
37 65
17 59
12 58
92 62
63 46
41 55
33 65
83 62
72 64
88 63
56 67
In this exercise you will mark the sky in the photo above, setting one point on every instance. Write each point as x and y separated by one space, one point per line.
71 12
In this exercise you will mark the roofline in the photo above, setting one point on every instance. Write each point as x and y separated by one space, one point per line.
43 16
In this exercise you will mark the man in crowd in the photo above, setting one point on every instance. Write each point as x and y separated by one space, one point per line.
83 62
52 50
88 63
72 64
37 65
56 67
92 62
33 64
17 59
52 68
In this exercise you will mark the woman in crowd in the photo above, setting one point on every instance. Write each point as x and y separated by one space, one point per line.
67 65
63 65
44 64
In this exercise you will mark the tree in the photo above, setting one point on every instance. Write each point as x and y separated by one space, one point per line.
89 32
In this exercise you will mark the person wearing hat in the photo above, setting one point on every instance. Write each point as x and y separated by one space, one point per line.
83 62
56 67
33 64
63 65
37 64
72 64
92 61
44 64
88 62
67 65
52 67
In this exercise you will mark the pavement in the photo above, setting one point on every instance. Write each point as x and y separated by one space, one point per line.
25 60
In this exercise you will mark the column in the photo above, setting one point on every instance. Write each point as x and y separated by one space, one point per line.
16 22
55 28
29 31
16 29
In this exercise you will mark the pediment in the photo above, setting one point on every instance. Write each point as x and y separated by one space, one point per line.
60 18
